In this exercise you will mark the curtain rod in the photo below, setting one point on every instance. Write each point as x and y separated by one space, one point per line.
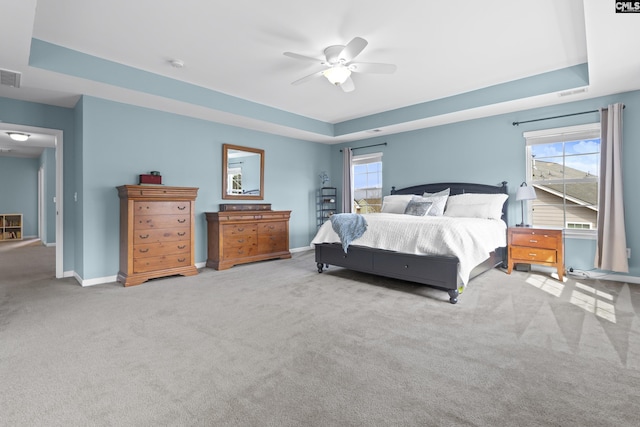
367 146
557 117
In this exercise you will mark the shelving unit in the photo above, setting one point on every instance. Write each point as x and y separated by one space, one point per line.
10 227
326 204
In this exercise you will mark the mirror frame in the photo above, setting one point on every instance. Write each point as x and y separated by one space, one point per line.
225 162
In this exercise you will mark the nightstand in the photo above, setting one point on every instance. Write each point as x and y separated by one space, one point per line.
536 246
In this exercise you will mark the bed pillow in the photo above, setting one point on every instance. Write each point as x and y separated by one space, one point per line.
418 208
396 203
476 205
439 201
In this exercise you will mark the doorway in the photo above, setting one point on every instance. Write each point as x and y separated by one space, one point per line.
40 139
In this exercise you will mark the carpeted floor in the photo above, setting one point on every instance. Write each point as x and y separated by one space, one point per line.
277 344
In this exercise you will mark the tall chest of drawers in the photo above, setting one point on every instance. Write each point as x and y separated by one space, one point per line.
157 230
239 237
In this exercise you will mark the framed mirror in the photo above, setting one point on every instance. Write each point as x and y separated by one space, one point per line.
242 173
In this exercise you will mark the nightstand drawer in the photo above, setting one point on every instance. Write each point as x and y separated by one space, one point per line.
534 240
533 254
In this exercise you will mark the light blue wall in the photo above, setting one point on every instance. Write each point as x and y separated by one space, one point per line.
491 150
121 141
19 191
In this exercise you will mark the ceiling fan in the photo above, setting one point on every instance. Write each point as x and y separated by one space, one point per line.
339 66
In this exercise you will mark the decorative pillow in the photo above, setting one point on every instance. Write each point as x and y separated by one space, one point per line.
476 205
418 208
396 203
439 201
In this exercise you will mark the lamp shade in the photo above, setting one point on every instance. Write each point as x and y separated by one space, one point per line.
525 192
337 74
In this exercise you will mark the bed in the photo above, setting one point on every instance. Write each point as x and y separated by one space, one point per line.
441 271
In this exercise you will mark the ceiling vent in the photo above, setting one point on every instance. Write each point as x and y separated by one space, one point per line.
10 78
572 92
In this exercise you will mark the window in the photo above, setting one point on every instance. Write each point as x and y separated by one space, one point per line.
563 166
234 180
367 183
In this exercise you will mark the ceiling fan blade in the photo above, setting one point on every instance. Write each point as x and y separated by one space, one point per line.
307 78
304 58
369 67
352 49
348 85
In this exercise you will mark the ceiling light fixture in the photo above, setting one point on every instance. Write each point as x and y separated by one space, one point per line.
176 63
337 74
18 136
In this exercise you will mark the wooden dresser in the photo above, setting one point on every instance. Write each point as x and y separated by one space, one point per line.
536 246
156 232
239 237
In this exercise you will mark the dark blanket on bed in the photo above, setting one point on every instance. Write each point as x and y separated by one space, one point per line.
348 226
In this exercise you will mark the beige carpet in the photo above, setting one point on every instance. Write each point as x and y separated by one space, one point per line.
277 344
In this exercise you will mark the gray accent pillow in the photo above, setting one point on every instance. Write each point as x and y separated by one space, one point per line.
439 201
418 208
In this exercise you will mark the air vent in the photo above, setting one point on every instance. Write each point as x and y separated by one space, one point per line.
10 78
572 92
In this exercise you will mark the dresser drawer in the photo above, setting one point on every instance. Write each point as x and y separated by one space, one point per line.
534 240
160 235
533 254
235 230
272 228
143 222
233 241
162 262
239 251
161 208
275 242
161 248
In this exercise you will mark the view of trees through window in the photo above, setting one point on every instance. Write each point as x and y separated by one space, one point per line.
565 176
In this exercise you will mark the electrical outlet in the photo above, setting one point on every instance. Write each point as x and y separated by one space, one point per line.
628 252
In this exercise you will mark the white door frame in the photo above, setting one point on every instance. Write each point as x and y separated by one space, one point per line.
59 197
41 221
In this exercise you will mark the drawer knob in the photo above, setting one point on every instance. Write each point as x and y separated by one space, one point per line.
406 266
240 240
182 246
182 233
533 241
181 259
182 221
146 236
144 251
181 208
532 254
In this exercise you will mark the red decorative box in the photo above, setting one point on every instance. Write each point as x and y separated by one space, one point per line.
150 179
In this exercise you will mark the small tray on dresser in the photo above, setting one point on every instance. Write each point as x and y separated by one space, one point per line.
225 207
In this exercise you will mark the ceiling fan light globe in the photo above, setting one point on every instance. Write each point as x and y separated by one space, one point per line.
337 74
18 136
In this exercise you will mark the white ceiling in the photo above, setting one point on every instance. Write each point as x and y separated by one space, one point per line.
236 47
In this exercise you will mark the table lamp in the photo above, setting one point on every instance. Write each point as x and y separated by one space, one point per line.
525 193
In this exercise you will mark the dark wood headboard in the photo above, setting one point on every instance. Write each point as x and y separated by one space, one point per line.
458 188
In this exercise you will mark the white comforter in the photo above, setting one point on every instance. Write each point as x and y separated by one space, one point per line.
469 239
